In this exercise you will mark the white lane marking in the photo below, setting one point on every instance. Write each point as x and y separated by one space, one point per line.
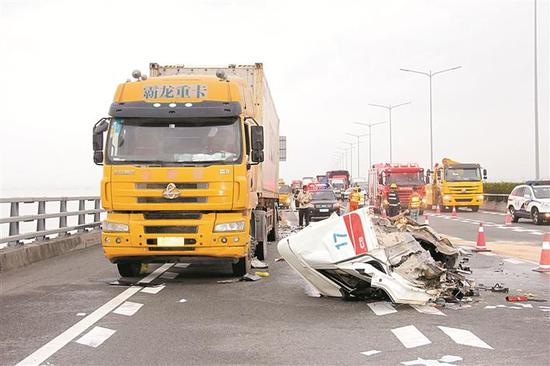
382 308
501 306
47 350
514 307
50 348
427 309
81 314
157 272
513 261
450 358
370 353
535 232
96 336
488 254
410 337
183 300
169 275
544 307
182 265
529 306
490 307
128 308
464 337
153 289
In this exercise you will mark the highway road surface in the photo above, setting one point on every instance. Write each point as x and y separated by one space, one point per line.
65 311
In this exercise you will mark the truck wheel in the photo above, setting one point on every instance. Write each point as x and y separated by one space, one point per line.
535 216
273 235
475 208
242 266
129 269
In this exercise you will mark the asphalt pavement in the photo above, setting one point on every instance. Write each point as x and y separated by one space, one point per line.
64 311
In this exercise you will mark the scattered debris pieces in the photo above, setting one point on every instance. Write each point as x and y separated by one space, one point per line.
280 259
249 277
496 288
262 274
365 256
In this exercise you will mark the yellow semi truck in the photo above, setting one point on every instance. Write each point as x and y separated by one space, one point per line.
453 184
190 167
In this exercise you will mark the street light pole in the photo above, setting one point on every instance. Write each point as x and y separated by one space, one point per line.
350 155
389 108
358 152
344 153
370 126
537 167
430 75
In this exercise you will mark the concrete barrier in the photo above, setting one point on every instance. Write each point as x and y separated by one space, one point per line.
11 258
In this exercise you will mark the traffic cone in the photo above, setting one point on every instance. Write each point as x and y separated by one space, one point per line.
454 214
426 222
437 209
508 219
544 263
480 245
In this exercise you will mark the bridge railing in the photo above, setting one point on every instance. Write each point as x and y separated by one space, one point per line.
15 237
496 197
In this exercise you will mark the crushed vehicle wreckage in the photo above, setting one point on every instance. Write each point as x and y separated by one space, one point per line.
364 256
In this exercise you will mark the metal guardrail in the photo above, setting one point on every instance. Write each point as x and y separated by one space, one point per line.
15 237
496 197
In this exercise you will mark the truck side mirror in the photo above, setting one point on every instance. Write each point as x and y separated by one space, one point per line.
484 173
97 139
257 143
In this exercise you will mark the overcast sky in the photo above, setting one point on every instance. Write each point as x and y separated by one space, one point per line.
325 62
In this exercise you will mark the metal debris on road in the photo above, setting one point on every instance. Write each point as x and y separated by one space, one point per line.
365 256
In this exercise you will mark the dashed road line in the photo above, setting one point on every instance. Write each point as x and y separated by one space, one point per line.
96 336
427 309
410 336
382 308
464 337
513 261
370 353
153 289
157 272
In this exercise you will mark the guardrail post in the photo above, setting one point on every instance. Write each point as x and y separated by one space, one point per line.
81 217
41 223
97 218
14 226
62 219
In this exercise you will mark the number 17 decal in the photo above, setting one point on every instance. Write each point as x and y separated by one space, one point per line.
336 237
354 227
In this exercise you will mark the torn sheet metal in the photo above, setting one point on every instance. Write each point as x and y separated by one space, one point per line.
360 255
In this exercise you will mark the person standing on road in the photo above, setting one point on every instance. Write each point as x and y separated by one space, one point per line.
414 205
393 201
354 199
304 206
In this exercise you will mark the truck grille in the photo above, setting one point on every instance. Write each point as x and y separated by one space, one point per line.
175 200
170 229
463 190
178 185
161 215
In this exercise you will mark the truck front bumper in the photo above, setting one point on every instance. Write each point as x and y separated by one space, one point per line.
462 200
154 240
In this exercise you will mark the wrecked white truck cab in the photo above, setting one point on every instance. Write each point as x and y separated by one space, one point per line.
360 255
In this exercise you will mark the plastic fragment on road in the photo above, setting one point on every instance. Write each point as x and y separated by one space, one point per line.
361 255
250 277
262 274
370 353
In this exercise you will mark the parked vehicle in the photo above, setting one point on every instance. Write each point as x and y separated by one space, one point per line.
408 177
324 204
285 196
339 180
530 201
455 184
184 171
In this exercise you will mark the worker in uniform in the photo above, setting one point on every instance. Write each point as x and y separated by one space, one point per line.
394 205
414 205
354 199
304 206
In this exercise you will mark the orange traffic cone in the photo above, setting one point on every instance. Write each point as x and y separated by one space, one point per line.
480 245
454 214
438 209
426 222
508 219
544 263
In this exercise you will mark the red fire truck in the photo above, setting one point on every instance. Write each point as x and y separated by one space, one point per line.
408 177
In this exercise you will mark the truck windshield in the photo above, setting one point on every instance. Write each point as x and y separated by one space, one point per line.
192 141
284 189
542 192
462 175
405 179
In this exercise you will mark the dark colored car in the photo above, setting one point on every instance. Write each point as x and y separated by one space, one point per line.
324 203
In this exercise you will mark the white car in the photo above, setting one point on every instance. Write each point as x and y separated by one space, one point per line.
530 201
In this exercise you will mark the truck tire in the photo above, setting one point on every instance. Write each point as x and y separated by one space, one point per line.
242 266
273 235
129 269
475 208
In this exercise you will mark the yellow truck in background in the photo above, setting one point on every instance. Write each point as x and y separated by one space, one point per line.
190 167
453 184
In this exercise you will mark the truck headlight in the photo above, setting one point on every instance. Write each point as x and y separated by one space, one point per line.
114 227
424 200
480 197
229 226
446 197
